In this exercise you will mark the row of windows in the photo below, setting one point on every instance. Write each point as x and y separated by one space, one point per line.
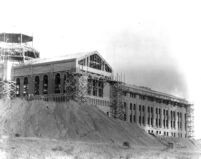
159 121
152 99
69 85
95 87
45 82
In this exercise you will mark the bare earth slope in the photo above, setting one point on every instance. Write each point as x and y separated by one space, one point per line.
38 129
69 121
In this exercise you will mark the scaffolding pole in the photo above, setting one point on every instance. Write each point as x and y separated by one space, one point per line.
190 121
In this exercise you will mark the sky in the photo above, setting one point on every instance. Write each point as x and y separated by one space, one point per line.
154 43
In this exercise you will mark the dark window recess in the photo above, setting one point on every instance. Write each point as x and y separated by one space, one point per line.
45 84
100 88
134 107
95 62
130 106
17 87
95 88
64 83
36 85
107 69
82 62
131 118
25 91
57 83
124 117
90 85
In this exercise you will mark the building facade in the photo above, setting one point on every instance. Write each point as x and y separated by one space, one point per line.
58 78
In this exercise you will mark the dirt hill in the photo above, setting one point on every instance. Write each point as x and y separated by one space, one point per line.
68 121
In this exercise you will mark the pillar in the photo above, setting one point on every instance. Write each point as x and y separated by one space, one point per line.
50 83
162 118
169 119
30 85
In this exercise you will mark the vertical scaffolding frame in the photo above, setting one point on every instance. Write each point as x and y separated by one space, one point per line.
8 55
190 121
117 107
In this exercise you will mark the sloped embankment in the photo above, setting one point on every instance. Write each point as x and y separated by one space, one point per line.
68 121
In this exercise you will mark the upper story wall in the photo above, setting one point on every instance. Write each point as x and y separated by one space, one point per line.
42 68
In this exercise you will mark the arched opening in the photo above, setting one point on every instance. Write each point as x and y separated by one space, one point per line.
25 91
57 83
64 84
36 85
45 84
17 87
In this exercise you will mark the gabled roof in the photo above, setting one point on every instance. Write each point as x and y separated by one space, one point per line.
91 53
77 56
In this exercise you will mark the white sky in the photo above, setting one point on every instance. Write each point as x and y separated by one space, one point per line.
122 31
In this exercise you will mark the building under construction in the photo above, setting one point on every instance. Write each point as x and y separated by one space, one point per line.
88 77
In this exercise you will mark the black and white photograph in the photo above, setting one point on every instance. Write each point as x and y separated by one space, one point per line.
100 79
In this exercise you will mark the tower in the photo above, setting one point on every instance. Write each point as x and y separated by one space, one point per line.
15 49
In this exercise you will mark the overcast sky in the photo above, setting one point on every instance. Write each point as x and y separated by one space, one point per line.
155 43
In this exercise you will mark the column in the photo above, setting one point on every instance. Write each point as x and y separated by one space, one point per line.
162 118
30 85
41 84
169 119
183 122
50 83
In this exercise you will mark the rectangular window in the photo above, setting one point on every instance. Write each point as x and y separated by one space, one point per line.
156 122
124 117
167 123
143 121
164 123
131 118
100 88
130 106
140 120
133 106
159 123
95 84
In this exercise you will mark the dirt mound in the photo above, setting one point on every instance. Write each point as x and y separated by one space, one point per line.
68 121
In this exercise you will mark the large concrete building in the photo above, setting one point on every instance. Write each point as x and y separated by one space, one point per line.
57 78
